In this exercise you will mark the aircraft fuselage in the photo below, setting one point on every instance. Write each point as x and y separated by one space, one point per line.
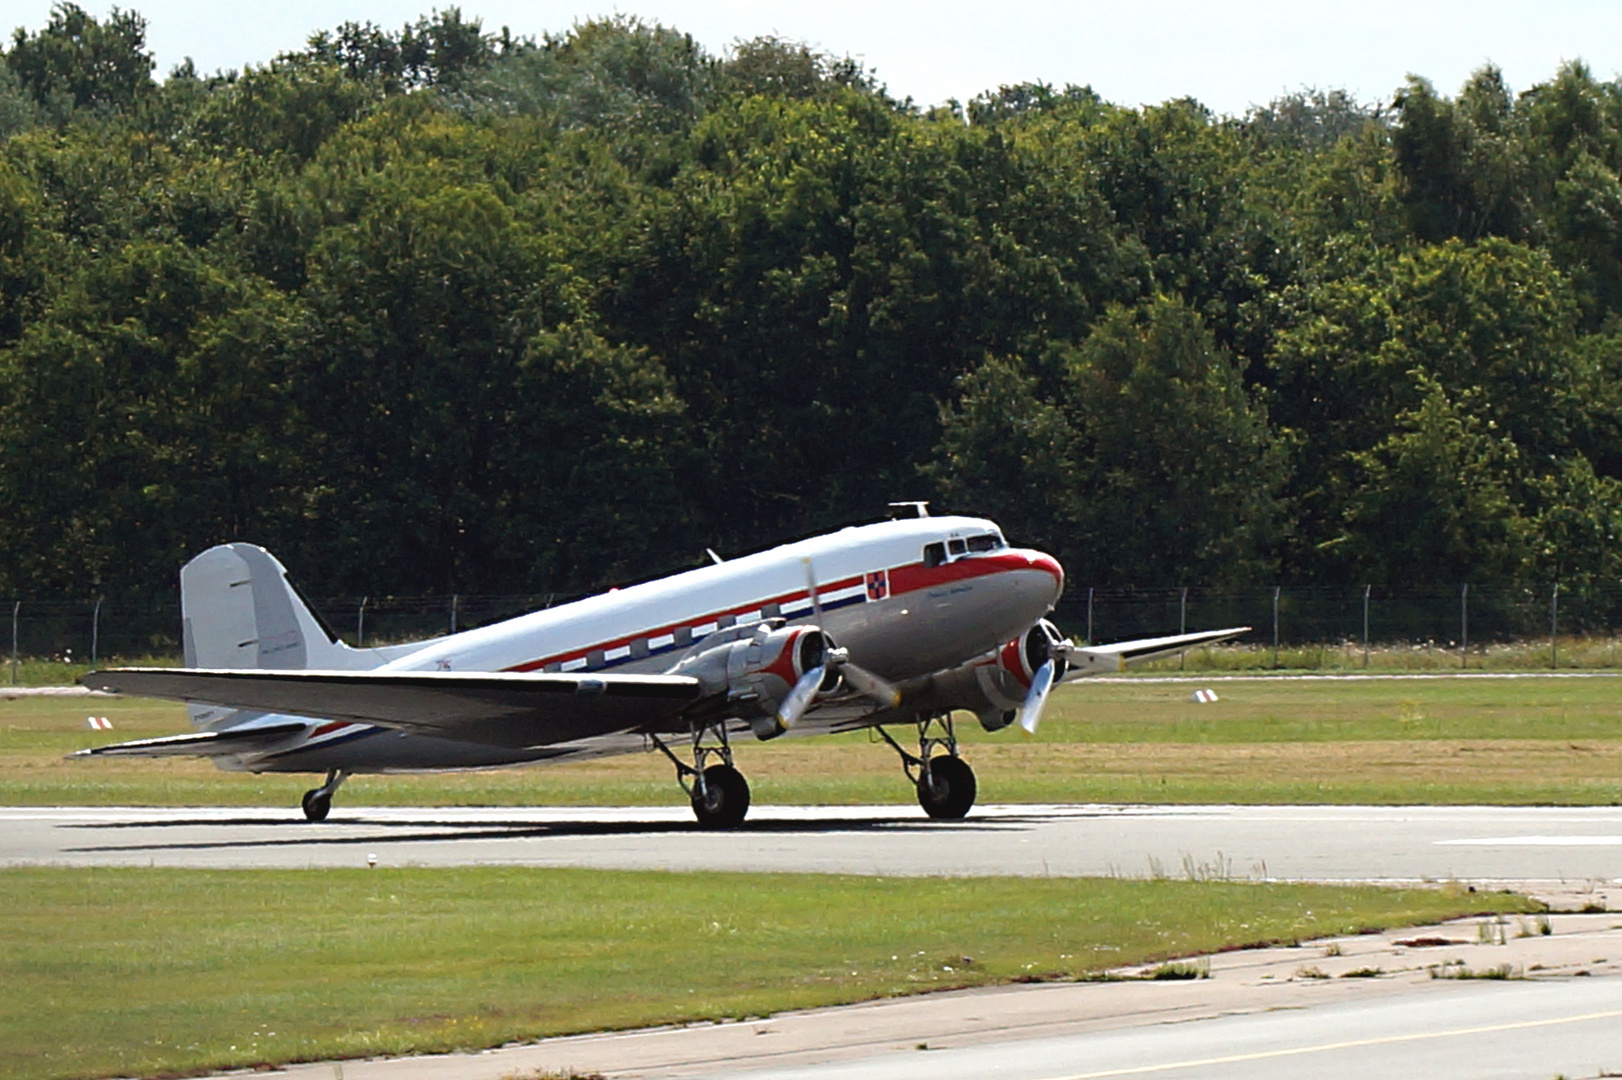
905 598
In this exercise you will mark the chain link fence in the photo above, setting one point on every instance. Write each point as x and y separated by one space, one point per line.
1284 617
104 629
1302 615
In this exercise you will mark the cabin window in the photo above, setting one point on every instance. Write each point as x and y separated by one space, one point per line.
934 554
771 611
683 636
639 648
985 542
595 659
955 546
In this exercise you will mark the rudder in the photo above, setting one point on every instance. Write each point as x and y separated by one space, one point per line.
239 610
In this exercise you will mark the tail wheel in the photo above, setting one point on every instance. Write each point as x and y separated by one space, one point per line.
947 788
724 798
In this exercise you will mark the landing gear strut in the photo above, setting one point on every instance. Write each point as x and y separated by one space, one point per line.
945 783
318 801
719 793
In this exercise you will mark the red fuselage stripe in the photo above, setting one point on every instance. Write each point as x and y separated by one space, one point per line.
903 579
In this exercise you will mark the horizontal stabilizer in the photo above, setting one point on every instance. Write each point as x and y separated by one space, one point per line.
512 709
1100 659
201 744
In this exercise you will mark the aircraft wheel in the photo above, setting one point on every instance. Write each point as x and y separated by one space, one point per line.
317 804
948 791
725 800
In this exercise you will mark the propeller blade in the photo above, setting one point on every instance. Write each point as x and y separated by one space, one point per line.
870 685
811 587
798 699
1030 712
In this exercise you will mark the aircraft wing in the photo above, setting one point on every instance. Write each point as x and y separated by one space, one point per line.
512 709
199 744
1099 659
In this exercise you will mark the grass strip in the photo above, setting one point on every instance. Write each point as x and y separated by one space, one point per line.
153 972
1505 742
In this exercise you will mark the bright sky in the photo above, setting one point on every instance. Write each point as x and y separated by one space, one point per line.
1229 54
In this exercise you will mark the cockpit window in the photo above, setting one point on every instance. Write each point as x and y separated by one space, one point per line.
934 554
985 542
956 546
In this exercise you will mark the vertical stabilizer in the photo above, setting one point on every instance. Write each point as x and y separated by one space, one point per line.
239 610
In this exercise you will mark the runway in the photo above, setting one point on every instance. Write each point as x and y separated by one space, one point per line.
1310 843
1462 1032
1258 1016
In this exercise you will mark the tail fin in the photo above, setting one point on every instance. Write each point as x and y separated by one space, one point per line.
239 610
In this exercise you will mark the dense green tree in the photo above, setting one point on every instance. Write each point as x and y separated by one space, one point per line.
24 252
139 419
18 109
433 308
1154 465
1311 119
1576 530
76 62
776 67
1494 321
1463 175
619 76
442 49
1432 502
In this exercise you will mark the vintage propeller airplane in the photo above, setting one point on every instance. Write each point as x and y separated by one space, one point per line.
901 622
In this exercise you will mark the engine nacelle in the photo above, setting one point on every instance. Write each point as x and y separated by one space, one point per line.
755 670
993 687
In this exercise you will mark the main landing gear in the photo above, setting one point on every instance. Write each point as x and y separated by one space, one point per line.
945 783
719 793
318 801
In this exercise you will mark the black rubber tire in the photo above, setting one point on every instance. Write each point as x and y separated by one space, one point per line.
727 800
316 805
952 792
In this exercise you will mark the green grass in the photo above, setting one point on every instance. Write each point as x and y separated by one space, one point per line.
148 972
40 671
1494 741
1568 653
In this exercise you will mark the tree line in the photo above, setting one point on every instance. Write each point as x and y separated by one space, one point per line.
440 309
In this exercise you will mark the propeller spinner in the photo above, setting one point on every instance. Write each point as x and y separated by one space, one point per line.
835 663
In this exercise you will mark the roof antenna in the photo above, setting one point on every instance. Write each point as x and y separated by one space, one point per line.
716 559
920 509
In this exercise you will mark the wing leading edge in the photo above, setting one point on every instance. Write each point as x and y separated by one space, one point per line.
518 710
1098 659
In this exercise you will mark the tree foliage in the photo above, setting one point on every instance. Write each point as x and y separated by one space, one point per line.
439 308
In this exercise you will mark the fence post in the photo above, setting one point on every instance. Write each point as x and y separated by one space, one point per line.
1275 626
15 609
95 631
1464 626
1182 627
1089 615
1366 589
360 623
1554 626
